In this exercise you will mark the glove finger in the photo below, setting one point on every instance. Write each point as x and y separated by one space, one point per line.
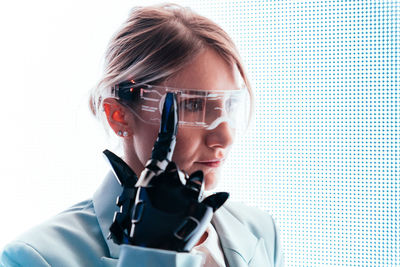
215 201
171 167
195 183
164 146
171 176
197 177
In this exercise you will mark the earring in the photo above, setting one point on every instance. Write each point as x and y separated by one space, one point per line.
119 133
125 133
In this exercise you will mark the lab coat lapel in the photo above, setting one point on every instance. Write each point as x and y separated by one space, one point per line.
238 243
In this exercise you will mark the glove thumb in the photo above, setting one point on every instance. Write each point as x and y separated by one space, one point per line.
124 174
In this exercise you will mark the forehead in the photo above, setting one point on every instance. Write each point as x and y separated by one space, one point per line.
207 71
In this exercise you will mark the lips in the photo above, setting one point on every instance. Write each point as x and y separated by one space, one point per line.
212 163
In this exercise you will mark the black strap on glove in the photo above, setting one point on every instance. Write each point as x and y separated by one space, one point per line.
164 208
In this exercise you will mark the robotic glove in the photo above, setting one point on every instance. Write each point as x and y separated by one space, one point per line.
164 208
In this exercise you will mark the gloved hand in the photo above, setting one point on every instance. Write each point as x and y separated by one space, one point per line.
165 208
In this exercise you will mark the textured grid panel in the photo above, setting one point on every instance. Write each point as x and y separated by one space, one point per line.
323 156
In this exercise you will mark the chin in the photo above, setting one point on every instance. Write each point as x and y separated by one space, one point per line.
211 181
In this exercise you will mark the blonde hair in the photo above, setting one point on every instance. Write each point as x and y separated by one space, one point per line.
156 42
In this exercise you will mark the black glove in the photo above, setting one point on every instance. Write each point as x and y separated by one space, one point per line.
165 208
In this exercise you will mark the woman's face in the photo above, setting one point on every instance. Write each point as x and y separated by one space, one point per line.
195 148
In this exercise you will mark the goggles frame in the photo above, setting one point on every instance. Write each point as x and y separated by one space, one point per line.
130 91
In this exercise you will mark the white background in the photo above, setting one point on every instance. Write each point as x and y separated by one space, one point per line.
51 56
51 145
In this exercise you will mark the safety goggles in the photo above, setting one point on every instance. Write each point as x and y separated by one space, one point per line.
196 108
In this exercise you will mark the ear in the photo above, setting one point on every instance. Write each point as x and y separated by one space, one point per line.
118 117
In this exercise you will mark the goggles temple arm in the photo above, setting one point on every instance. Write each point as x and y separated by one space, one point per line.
126 90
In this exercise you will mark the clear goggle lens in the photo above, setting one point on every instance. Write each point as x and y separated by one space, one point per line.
196 108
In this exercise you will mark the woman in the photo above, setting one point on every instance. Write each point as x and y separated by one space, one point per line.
161 47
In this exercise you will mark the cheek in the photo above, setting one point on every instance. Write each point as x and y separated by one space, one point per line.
144 140
188 148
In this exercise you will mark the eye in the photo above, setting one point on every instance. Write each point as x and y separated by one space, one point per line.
192 104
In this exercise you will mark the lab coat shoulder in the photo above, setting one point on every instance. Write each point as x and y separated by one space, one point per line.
71 238
74 238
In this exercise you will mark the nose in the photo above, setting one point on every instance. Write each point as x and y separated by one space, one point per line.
220 137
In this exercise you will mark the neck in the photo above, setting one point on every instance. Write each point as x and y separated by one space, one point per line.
130 157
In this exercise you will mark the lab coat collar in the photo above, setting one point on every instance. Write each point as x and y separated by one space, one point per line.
237 242
104 202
